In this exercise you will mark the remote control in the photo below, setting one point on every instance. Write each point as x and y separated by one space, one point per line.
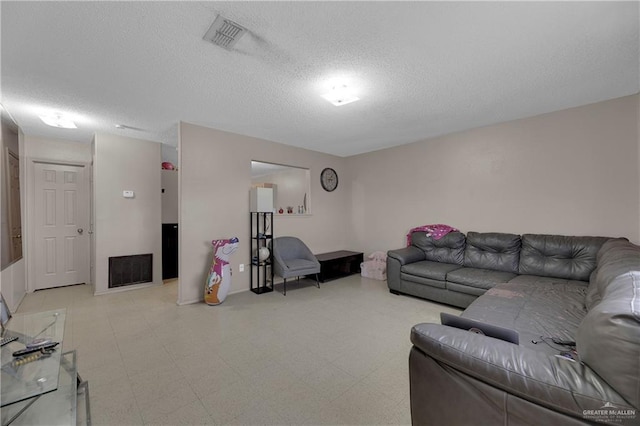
563 342
35 349
6 340
37 343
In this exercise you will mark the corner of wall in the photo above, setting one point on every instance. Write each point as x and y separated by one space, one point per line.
638 138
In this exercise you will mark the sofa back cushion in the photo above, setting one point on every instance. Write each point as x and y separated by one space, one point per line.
558 256
608 339
492 250
448 249
615 257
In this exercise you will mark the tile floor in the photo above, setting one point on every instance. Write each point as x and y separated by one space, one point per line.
328 356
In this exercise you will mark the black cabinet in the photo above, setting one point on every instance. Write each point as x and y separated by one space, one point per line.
169 250
338 264
261 225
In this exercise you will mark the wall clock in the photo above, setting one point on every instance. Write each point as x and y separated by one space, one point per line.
329 179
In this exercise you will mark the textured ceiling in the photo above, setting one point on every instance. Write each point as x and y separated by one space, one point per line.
421 69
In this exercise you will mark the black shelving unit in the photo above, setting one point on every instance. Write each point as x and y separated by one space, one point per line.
261 226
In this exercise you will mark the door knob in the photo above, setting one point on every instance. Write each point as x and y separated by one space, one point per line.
80 231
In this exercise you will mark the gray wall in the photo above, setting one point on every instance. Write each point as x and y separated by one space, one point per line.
126 226
215 178
572 172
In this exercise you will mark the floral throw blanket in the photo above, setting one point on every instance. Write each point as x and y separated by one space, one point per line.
436 231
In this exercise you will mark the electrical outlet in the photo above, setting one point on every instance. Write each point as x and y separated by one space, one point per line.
241 267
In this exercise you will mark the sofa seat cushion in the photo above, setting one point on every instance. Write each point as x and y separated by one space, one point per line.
429 269
536 307
427 273
535 280
295 265
480 278
461 288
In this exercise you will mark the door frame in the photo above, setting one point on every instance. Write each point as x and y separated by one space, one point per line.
30 202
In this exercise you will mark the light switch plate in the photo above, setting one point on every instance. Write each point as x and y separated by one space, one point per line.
128 194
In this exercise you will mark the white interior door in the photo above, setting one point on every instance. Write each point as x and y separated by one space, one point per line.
61 225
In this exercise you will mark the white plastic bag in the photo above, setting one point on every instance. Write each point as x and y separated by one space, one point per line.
376 267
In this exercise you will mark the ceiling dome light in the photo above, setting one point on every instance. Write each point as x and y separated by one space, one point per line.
340 95
57 120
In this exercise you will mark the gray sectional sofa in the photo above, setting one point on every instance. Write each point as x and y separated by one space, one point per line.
457 269
573 289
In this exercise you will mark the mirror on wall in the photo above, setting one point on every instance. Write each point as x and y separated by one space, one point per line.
11 222
291 186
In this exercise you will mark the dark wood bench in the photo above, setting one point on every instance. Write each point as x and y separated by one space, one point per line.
338 264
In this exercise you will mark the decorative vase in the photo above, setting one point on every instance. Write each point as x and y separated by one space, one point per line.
263 254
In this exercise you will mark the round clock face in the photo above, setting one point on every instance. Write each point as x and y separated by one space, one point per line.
329 179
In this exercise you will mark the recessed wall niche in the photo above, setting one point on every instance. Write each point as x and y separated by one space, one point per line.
291 186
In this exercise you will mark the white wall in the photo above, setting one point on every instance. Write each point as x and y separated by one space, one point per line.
215 179
572 172
56 150
169 196
126 226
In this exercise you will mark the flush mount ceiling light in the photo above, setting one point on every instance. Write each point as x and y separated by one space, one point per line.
224 32
340 95
58 120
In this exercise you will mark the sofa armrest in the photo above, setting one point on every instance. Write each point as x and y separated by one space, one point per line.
407 255
551 381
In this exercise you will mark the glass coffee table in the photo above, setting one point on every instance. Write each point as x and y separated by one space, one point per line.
41 388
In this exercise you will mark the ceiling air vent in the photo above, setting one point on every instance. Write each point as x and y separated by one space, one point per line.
224 33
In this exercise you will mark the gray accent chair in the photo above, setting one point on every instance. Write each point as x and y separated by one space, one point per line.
292 258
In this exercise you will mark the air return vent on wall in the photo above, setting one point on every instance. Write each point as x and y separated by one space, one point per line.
224 33
130 270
